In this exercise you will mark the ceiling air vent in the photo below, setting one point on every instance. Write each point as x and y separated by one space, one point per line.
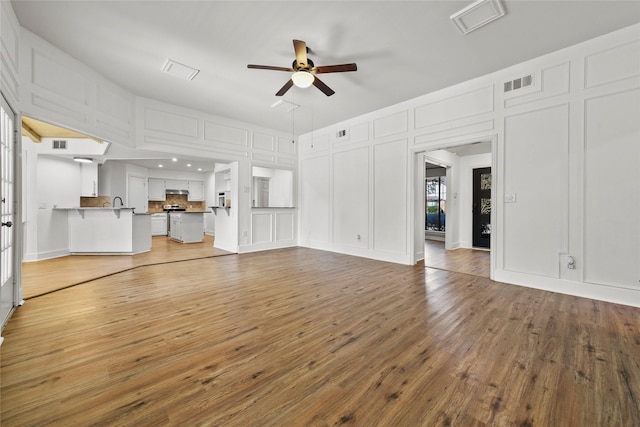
519 83
59 144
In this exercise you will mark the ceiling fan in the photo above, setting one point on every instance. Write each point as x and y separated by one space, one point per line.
304 71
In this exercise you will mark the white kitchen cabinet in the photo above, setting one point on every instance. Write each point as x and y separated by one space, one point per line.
176 184
196 191
186 227
89 179
159 224
157 190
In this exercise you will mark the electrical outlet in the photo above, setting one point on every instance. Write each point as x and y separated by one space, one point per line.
571 263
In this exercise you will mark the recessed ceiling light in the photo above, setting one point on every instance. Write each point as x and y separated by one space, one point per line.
179 70
174 160
477 14
199 169
188 165
160 166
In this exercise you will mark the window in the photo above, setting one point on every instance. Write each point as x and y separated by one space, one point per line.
435 203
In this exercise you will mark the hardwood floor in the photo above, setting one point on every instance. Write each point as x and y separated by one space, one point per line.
46 276
468 261
300 337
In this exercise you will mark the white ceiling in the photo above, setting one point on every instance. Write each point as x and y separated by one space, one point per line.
403 48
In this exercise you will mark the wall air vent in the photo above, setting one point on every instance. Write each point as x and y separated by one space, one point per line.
59 144
519 83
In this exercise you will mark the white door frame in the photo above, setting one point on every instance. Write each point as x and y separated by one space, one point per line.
416 208
14 230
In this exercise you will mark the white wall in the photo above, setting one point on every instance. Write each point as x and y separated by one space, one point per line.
563 147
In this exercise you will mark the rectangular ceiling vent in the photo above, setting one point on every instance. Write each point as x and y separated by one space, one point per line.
287 106
477 14
59 144
519 83
179 70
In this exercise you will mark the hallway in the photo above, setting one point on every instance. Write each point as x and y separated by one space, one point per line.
476 262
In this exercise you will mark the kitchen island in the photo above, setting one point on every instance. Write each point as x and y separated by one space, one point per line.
108 230
186 227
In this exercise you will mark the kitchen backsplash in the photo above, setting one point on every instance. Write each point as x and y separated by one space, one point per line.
154 207
177 199
95 202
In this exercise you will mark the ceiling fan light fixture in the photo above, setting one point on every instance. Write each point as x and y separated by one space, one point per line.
302 79
83 159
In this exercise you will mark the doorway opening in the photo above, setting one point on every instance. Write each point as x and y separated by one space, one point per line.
445 238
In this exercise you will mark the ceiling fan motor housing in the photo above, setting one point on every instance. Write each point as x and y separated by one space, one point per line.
298 67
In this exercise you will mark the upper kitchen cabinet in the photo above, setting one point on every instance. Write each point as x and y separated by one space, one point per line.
176 184
196 191
157 189
89 179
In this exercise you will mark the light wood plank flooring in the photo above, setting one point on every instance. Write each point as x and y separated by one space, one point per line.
300 337
46 276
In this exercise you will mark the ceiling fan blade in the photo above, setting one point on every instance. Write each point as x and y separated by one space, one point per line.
269 67
323 87
335 68
285 88
301 52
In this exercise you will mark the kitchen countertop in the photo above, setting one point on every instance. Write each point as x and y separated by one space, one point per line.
106 208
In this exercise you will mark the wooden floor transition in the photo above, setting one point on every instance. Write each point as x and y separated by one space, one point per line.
301 337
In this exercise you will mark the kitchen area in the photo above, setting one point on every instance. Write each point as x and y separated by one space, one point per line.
180 215
76 202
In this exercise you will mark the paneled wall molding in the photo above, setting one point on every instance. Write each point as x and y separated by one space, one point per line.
9 53
460 106
560 122
555 80
613 64
174 129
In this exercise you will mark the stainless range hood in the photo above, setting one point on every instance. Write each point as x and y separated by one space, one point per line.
168 191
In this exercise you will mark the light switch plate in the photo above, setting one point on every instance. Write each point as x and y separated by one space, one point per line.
509 197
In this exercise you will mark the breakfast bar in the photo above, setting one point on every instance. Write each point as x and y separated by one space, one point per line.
108 230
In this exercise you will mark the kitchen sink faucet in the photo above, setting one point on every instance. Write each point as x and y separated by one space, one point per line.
114 201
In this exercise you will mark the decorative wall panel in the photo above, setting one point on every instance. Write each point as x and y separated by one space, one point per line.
285 226
536 170
468 104
263 142
314 199
390 202
58 78
287 146
391 125
170 122
351 197
611 65
261 228
612 198
223 133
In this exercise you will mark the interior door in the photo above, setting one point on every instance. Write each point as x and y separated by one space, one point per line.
482 207
138 194
7 211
